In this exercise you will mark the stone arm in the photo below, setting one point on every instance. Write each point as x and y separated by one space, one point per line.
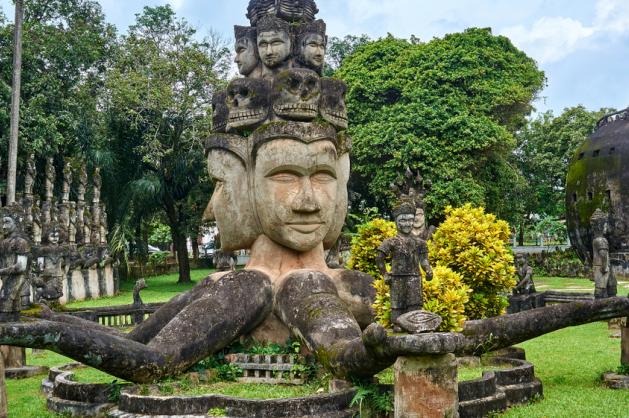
20 266
91 262
381 264
604 256
423 261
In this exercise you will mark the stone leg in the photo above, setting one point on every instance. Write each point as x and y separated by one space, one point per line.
426 387
612 285
309 304
413 294
233 306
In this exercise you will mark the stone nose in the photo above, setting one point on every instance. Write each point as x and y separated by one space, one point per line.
305 201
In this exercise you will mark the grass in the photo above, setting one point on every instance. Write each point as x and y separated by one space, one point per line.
160 289
576 285
569 362
239 390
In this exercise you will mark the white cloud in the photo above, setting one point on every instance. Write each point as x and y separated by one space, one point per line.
550 39
177 4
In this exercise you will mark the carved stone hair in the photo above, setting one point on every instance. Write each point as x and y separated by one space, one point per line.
404 208
272 23
245 32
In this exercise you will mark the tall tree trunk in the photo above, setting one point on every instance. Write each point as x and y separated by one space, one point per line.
179 239
15 101
195 244
521 233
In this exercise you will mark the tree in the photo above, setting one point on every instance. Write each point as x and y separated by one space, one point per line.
449 108
545 147
338 49
15 101
159 109
67 44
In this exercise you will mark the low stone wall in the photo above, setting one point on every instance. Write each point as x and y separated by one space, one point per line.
497 390
117 316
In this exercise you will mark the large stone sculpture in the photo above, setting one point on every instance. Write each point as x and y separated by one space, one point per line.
407 253
604 280
15 252
280 191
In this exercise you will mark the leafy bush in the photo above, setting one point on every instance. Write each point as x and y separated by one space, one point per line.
560 263
159 257
445 295
372 400
474 244
364 245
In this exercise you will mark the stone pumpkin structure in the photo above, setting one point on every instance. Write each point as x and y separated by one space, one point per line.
597 179
280 163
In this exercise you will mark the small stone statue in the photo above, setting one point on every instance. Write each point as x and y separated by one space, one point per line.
225 260
140 284
67 182
407 253
525 285
604 280
29 178
50 179
51 262
14 263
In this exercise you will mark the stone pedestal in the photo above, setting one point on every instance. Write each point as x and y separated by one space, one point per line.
426 387
624 342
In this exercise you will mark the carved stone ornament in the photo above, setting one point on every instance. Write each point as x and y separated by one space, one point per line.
274 42
247 58
332 106
417 322
248 102
296 94
310 45
220 112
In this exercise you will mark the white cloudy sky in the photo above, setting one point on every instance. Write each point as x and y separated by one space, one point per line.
582 45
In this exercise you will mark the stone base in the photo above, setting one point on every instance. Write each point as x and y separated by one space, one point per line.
25 372
616 381
77 409
426 387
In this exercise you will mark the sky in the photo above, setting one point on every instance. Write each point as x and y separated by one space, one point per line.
581 45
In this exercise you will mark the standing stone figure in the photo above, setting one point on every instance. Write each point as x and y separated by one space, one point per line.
525 285
29 178
604 280
50 179
407 253
14 263
51 261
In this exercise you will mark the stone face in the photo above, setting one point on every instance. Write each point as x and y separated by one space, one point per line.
597 178
426 387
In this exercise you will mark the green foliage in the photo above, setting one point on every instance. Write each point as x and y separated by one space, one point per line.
217 412
446 295
365 244
338 49
562 263
372 400
623 369
545 147
448 107
160 234
474 244
159 257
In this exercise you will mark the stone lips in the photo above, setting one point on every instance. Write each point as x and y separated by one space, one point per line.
597 179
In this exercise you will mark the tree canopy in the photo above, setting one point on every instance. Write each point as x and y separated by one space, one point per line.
448 107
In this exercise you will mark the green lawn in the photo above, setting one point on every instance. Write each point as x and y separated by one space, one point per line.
569 362
160 289
576 285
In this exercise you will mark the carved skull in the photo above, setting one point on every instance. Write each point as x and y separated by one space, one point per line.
220 112
296 94
247 102
332 105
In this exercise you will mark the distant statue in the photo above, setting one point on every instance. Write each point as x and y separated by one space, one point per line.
29 178
604 280
225 260
407 253
525 285
50 179
137 299
15 249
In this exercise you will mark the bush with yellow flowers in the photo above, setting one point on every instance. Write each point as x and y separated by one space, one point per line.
474 244
446 295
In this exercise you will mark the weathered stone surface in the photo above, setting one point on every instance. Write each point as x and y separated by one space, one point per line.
24 372
417 322
616 381
624 342
426 387
597 178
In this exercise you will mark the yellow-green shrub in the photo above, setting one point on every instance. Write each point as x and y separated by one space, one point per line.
474 244
445 295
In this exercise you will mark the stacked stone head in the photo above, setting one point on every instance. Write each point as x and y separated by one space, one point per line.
280 158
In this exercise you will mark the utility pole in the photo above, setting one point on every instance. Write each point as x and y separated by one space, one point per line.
15 101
